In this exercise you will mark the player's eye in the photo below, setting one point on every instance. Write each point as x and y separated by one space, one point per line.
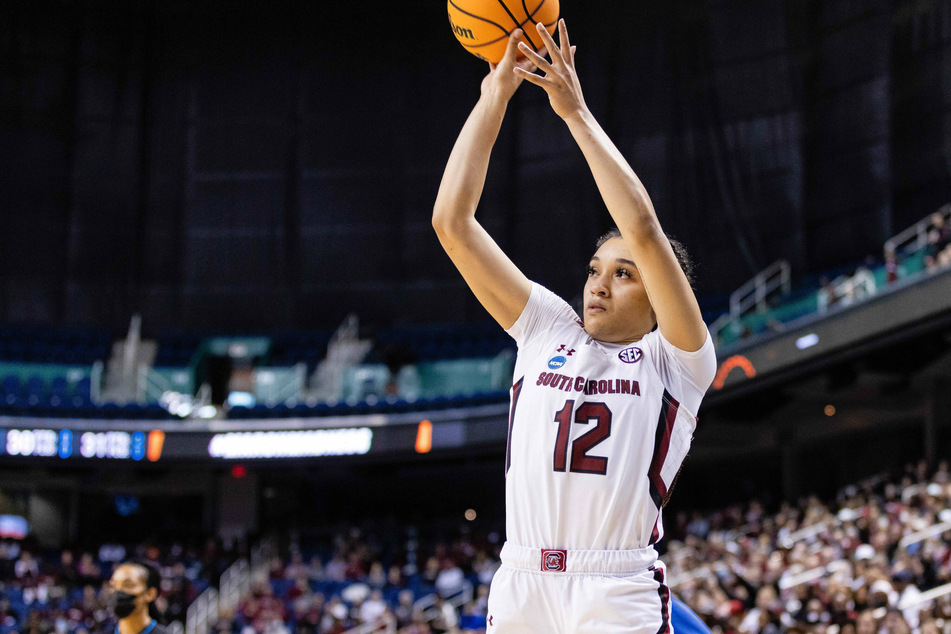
623 273
592 271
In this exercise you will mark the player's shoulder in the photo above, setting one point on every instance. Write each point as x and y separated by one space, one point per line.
545 315
655 340
547 300
675 365
652 344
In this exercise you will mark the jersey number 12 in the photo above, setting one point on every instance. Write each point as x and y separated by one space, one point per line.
581 462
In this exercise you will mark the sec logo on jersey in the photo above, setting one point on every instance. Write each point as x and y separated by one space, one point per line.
630 355
556 362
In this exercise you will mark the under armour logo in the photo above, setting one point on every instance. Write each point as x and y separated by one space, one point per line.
562 348
490 619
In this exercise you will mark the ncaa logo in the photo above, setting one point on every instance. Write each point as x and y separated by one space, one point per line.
556 362
554 560
630 355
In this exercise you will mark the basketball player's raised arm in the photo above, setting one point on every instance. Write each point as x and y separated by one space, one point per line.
674 303
494 279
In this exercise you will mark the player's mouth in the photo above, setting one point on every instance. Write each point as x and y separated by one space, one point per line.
594 309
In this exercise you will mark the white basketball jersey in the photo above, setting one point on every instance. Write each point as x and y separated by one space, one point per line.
597 431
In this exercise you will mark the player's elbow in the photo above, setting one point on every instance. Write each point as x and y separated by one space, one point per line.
644 230
441 223
447 224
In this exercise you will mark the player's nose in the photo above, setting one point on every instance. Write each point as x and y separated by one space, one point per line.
598 288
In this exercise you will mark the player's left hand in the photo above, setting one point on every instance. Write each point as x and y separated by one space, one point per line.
560 80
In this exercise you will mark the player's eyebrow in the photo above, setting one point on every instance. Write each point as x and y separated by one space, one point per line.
621 260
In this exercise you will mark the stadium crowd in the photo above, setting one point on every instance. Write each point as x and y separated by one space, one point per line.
858 565
356 580
65 590
838 567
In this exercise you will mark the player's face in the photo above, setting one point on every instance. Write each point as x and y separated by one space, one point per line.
132 580
616 306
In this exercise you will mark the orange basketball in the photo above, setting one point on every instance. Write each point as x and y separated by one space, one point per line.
483 26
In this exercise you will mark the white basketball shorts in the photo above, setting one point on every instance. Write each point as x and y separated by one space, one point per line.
550 591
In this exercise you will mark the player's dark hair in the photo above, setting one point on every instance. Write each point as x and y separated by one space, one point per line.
683 258
153 579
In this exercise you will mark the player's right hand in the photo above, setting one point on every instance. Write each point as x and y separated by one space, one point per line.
501 80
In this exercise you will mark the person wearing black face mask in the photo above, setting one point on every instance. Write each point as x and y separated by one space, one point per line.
134 587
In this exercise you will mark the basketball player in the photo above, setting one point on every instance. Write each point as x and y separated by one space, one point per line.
602 410
134 587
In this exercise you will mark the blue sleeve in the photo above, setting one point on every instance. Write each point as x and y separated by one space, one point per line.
684 620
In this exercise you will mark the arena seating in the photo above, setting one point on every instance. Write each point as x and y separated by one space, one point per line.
919 250
46 590
52 372
877 556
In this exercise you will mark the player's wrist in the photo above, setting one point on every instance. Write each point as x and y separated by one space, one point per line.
496 98
580 116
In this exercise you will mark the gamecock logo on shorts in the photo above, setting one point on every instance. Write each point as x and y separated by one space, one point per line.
554 560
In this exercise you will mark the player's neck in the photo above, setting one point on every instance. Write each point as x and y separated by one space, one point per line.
135 623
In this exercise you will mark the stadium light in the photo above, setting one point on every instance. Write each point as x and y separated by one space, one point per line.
807 341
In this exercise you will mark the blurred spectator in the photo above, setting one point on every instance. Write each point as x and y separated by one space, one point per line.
405 611
941 226
89 571
827 295
376 577
315 571
114 553
336 569
938 244
450 579
447 620
373 608
891 266
296 567
907 594
26 567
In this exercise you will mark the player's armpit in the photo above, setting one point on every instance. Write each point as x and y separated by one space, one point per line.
494 279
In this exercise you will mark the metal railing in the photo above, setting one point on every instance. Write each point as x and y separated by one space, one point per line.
130 352
95 382
845 291
202 613
803 533
755 291
753 294
427 605
150 385
273 386
931 531
424 605
924 597
235 583
372 628
918 232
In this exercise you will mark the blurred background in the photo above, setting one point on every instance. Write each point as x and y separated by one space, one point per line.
231 345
